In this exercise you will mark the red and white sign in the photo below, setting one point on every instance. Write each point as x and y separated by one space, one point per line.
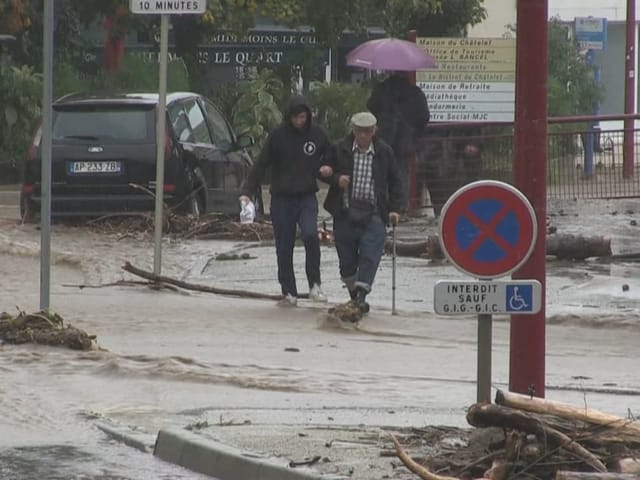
488 229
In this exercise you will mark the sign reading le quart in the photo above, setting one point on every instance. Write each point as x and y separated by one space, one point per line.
162 7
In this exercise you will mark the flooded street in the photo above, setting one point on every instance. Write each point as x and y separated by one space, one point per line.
175 358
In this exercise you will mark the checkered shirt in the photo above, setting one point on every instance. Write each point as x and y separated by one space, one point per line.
362 178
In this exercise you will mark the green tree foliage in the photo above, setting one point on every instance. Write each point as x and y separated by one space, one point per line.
335 103
20 104
256 110
572 89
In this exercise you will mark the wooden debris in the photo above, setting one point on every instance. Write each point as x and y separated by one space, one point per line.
487 415
162 279
561 246
415 467
44 328
563 410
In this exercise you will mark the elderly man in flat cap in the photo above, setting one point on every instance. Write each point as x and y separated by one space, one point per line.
365 195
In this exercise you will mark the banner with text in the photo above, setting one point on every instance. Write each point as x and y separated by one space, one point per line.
474 81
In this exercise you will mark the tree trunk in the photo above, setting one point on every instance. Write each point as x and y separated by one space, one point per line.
563 410
488 415
564 247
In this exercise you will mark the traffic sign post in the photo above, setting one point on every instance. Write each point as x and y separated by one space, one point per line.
487 230
164 8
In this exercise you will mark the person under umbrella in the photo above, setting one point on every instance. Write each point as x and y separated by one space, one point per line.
402 111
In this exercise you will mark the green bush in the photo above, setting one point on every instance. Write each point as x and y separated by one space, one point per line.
334 104
256 110
20 107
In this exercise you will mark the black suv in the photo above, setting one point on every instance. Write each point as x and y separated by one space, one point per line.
104 157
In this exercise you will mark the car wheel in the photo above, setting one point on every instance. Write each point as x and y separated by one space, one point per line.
28 210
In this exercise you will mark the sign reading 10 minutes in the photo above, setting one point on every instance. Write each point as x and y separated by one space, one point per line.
164 7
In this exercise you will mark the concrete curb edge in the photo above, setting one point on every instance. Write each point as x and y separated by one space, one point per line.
210 457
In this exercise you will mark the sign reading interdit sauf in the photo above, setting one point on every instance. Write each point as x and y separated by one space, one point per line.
168 7
474 80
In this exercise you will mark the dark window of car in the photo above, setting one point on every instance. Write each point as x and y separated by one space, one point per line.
121 124
222 136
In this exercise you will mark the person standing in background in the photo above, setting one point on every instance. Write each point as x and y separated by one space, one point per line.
402 112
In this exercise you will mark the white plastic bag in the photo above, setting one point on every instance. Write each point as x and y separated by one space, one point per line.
247 211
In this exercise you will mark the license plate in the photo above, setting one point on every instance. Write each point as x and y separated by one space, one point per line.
110 166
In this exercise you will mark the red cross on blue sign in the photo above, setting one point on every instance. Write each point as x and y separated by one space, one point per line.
488 229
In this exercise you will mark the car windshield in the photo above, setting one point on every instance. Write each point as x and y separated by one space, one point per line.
130 125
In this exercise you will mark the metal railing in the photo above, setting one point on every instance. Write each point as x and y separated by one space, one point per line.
583 160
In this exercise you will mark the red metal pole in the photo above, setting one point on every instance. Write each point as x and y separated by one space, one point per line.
527 347
628 154
412 203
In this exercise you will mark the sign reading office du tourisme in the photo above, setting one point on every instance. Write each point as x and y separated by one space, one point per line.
168 7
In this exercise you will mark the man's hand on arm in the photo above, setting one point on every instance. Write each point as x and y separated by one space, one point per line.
343 181
326 171
394 218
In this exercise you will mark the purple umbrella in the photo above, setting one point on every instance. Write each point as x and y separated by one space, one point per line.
390 54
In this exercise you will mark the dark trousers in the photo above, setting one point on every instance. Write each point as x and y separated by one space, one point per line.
288 212
359 249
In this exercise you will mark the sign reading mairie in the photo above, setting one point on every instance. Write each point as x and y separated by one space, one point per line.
168 7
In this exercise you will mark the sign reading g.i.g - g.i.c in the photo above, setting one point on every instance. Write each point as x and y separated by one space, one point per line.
168 7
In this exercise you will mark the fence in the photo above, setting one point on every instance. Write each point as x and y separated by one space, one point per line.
582 160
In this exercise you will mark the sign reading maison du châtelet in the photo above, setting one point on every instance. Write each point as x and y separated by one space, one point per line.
474 80
168 7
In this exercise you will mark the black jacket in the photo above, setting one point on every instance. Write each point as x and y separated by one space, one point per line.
294 156
386 178
402 111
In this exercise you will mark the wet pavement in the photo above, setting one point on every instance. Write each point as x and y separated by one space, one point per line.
177 358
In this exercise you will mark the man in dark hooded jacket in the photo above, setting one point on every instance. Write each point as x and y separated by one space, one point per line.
293 151
402 111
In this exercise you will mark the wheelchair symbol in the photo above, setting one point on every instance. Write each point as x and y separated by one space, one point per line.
516 302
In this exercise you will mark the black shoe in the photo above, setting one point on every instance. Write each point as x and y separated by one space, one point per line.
359 299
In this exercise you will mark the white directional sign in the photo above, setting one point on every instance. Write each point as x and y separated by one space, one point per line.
168 7
487 297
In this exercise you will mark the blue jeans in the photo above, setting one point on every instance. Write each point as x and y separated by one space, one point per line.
359 249
288 212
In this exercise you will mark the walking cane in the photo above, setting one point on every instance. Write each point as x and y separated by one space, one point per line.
393 270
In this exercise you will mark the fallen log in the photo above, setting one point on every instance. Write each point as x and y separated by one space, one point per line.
567 475
488 415
196 287
563 410
561 246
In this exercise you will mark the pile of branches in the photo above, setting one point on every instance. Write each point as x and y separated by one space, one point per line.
45 328
542 439
223 228
210 227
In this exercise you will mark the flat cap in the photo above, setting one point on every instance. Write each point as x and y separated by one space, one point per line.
363 119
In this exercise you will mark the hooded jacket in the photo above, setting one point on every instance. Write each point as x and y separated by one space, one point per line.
293 154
